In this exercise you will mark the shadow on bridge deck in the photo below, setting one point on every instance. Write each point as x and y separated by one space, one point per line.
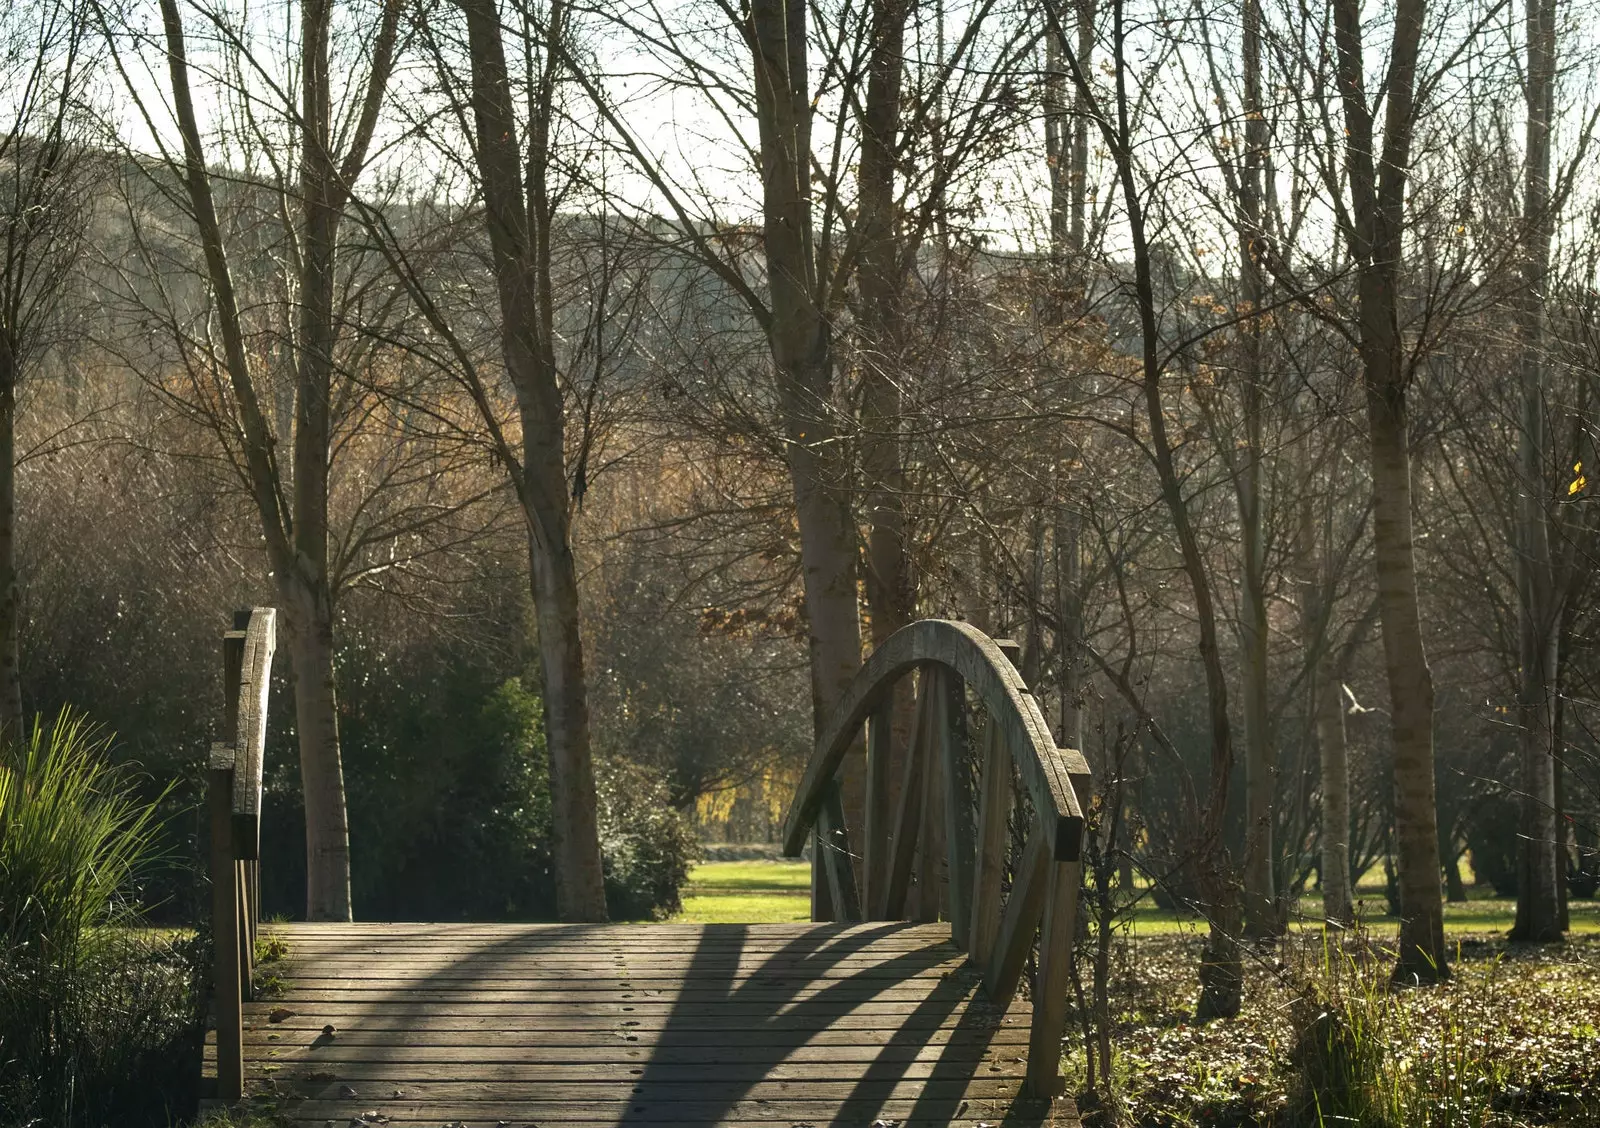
574 1025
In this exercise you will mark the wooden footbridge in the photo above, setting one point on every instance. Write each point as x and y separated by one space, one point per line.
881 1015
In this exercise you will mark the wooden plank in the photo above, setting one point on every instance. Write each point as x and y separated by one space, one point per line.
834 839
249 730
994 805
908 811
848 1111
880 806
227 988
956 1029
696 1091
957 814
1056 1117
426 1021
1021 919
1050 994
540 1060
930 854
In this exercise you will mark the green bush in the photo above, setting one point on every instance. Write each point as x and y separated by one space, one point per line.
99 1020
646 844
448 788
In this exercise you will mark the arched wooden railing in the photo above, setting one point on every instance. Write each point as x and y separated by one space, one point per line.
233 798
935 803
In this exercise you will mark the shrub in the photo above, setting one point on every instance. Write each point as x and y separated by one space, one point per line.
98 1019
449 797
647 845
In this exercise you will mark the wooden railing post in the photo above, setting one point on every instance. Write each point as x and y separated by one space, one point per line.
994 805
908 811
233 801
228 987
880 806
1056 936
833 841
956 773
229 962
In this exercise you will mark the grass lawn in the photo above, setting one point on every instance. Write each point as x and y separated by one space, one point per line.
768 891
756 892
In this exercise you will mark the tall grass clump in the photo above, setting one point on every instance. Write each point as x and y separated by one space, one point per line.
96 1014
1369 1055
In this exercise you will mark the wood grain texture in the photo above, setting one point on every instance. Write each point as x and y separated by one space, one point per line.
249 729
827 1024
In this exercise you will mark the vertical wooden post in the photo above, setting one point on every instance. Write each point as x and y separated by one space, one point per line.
989 868
229 985
834 840
908 812
1021 919
1050 992
931 856
821 895
958 829
880 810
228 990
994 805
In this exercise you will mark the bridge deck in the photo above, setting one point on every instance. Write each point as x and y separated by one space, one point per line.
521 1025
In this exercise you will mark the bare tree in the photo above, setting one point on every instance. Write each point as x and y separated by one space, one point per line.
1539 610
48 174
1374 229
292 503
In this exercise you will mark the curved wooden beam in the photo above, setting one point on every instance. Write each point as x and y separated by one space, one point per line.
1046 770
250 734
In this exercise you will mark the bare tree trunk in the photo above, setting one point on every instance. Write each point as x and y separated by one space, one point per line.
1538 615
1260 763
1338 903
518 213
890 585
580 877
311 649
1067 152
800 339
10 666
296 530
321 768
1327 713
1221 973
1376 236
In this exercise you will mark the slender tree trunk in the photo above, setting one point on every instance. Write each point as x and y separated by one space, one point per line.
1338 902
10 664
800 340
1067 151
1261 776
1422 950
321 767
580 876
517 212
1069 633
1376 237
296 534
311 651
1538 890
1221 973
1327 716
889 582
